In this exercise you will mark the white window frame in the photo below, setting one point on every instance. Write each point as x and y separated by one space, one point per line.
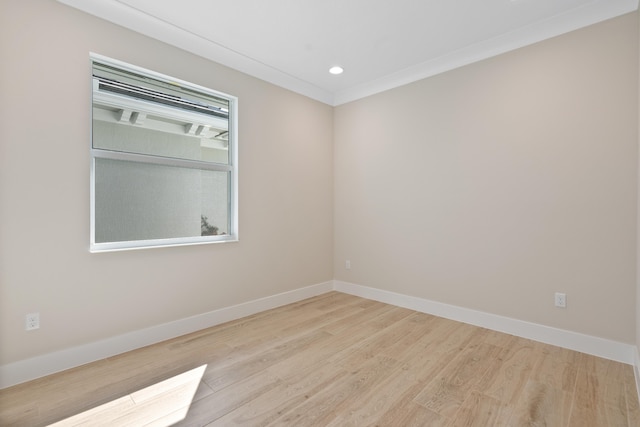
231 167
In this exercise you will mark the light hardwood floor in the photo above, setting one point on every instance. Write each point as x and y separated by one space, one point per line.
335 360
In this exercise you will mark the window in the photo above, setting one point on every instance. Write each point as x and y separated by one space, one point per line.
163 160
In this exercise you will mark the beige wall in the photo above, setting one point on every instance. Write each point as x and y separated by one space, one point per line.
285 157
497 184
489 187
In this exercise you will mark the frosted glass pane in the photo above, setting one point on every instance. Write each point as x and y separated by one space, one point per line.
141 201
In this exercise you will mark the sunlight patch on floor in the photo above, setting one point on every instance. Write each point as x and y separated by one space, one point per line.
162 404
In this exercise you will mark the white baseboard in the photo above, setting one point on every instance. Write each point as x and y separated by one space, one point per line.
608 349
39 366
46 364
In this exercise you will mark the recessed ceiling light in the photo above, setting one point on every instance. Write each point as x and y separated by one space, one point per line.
336 70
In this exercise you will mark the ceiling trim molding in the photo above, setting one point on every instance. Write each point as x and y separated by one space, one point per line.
133 19
593 13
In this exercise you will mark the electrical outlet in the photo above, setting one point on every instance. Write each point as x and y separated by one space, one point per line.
347 265
32 321
561 300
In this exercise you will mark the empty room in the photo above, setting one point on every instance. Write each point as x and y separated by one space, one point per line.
321 213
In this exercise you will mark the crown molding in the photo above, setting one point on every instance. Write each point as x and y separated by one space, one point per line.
133 19
590 14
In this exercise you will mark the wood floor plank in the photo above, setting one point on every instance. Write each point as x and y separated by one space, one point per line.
597 401
436 349
556 367
615 403
318 356
322 408
509 373
271 405
236 395
479 410
542 404
171 415
448 390
372 346
107 413
418 325
403 411
373 403
350 323
413 415
44 400
335 360
325 318
177 398
633 407
218 378
331 300
260 323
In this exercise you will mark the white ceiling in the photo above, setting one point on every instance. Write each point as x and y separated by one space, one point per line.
381 44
